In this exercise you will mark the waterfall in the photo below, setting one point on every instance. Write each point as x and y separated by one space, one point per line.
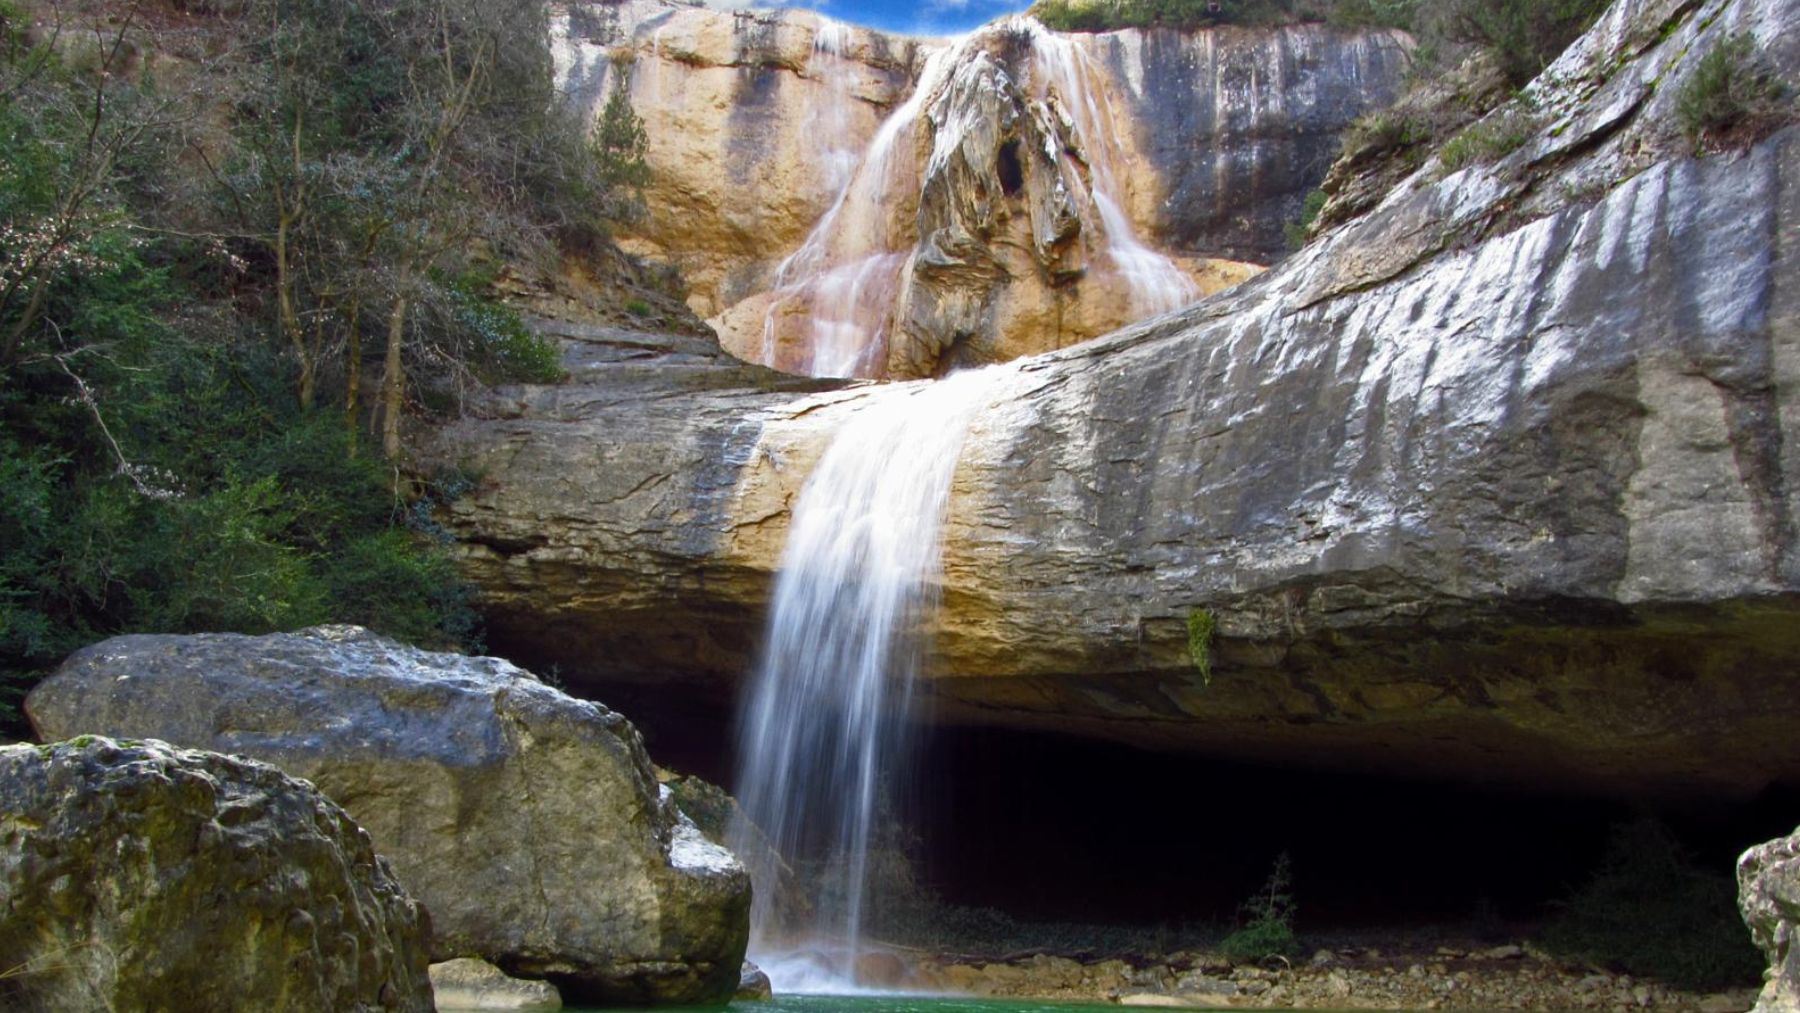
838 296
825 718
1066 75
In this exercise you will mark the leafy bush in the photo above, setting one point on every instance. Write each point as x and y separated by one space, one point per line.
1488 140
1523 35
1649 911
1268 920
1299 232
1728 91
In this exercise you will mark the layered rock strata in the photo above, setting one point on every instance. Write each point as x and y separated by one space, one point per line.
138 876
528 823
1493 481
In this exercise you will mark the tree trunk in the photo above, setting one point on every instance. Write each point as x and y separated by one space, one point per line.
353 373
393 382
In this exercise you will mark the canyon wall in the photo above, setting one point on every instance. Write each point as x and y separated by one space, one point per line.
844 202
1493 481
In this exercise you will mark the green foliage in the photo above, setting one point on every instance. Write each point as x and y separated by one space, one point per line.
1729 90
1649 911
1268 920
1300 231
1383 131
499 345
619 145
1522 35
1200 629
1487 140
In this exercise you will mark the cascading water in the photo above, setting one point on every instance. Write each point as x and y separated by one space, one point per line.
838 294
825 718
1067 75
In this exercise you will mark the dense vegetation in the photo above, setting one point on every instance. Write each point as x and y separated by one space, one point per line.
237 253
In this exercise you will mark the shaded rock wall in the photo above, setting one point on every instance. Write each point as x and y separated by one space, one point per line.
1492 481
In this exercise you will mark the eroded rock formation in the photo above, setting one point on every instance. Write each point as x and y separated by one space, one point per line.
847 203
138 876
1493 481
528 823
1769 896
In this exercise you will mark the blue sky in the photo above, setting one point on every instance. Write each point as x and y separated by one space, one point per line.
924 17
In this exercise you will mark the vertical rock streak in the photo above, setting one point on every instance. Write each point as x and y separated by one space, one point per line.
824 719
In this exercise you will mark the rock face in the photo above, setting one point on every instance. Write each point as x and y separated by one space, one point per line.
1769 895
948 203
527 822
138 876
1493 481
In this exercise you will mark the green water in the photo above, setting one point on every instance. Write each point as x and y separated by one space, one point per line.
898 1004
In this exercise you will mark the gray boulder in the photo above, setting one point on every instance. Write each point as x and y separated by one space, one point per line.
527 822
139 876
1769 896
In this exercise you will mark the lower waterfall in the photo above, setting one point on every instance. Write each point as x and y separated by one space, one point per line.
824 724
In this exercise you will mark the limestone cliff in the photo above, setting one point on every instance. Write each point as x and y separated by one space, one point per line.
848 203
1493 481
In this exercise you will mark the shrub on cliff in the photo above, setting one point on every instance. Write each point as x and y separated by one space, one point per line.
1730 93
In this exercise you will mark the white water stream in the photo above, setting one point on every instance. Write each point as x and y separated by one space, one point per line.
823 730
824 726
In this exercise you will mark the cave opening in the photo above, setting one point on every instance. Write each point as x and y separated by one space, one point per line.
1010 169
1054 828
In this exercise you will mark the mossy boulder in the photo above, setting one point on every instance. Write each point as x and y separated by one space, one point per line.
527 821
140 876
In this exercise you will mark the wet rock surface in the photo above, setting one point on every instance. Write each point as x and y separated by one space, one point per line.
1493 480
1769 896
136 875
527 822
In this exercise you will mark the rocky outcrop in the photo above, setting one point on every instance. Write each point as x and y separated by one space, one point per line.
1768 878
997 191
527 822
138 876
468 984
1494 481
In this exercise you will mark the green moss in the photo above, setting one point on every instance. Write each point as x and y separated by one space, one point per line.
1200 629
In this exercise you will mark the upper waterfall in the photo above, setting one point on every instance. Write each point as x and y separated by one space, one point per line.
1009 138
844 201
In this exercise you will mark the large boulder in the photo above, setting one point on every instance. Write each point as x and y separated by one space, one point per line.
139 876
1769 896
528 822
1495 481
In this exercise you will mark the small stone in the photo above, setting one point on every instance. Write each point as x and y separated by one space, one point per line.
1323 958
753 985
1507 952
470 984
